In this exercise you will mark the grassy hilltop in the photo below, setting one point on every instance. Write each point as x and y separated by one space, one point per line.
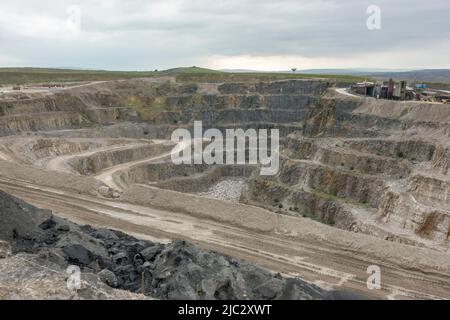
190 74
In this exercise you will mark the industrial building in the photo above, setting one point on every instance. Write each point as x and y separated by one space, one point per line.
399 90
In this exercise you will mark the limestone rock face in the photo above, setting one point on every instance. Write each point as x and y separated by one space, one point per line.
94 163
441 159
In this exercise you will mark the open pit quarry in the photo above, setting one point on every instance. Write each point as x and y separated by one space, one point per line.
361 182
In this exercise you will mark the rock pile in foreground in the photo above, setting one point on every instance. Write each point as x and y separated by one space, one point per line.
178 270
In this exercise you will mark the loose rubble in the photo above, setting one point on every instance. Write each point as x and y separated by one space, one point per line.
178 270
227 189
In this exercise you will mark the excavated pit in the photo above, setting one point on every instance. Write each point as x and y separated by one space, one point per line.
363 165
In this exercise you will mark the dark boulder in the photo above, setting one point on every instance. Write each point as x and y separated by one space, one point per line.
109 278
150 253
63 228
48 224
78 255
120 258
19 223
105 234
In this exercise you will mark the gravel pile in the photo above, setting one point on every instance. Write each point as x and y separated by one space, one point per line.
227 189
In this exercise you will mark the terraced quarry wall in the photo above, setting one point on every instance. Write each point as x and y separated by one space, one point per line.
362 165
94 163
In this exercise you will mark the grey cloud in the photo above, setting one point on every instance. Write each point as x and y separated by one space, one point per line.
141 34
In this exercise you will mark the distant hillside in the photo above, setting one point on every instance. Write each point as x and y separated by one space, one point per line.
189 70
430 75
42 75
351 71
9 76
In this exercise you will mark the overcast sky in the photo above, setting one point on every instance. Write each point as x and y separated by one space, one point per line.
223 34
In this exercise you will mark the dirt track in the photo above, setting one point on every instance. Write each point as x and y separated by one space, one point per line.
315 262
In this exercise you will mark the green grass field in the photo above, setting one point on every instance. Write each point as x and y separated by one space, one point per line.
257 76
36 75
12 76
